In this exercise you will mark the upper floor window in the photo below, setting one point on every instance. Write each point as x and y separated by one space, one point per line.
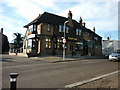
88 34
78 31
29 44
49 27
60 28
34 27
95 38
30 28
67 29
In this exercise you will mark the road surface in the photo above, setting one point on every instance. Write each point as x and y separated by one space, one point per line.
35 73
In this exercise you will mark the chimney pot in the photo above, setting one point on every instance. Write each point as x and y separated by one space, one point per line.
70 14
1 31
83 24
94 29
80 21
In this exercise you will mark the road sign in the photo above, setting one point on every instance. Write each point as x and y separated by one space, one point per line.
64 40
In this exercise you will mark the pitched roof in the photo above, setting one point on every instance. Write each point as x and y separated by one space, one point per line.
56 20
52 19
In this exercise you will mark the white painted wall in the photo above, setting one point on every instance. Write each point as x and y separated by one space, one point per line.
108 46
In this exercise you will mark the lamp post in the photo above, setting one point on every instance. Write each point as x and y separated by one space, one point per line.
64 40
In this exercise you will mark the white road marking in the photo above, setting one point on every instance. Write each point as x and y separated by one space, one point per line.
90 80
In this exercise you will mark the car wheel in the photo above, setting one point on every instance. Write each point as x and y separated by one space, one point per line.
110 60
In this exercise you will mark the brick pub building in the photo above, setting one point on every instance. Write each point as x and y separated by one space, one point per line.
44 36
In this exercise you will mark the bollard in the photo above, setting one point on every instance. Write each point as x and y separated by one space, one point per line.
13 79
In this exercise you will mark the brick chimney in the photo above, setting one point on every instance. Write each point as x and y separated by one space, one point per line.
94 29
1 31
70 14
83 24
80 21
70 19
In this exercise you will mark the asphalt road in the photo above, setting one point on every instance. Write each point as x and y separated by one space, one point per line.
35 73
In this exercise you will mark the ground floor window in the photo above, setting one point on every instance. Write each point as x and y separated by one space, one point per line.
48 43
29 43
79 46
59 44
33 43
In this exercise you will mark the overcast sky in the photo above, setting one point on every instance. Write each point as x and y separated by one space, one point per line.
14 14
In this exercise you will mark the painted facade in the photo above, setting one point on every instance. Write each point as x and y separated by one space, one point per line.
108 46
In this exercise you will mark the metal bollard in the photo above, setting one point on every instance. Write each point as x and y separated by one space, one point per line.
13 79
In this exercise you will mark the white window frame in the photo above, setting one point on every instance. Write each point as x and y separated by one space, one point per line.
78 31
34 27
60 28
96 38
67 29
49 27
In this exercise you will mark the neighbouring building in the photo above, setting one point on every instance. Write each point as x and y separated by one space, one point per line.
44 36
4 45
108 46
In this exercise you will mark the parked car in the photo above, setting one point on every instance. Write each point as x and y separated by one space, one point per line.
115 55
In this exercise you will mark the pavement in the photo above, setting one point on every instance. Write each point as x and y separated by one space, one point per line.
106 82
55 59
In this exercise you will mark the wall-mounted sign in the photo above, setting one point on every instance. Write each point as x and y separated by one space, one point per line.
72 38
64 40
31 36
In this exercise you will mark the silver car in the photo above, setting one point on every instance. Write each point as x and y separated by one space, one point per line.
115 55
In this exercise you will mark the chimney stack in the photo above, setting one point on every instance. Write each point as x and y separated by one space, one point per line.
70 19
94 29
83 24
80 21
70 14
1 31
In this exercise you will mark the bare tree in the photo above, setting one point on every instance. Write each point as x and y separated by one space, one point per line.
108 35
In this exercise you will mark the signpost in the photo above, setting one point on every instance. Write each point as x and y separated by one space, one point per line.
64 40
